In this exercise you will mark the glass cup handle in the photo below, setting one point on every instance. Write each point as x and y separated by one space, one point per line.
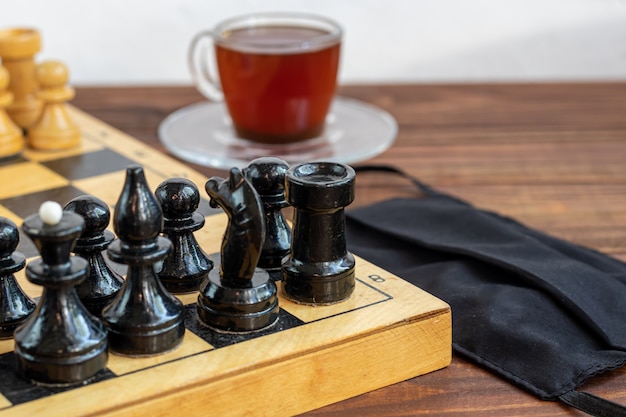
199 64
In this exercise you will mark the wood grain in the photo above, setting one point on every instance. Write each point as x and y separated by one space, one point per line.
551 155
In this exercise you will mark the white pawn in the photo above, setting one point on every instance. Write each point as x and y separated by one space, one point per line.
55 130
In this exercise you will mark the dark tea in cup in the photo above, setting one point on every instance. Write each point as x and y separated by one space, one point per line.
278 74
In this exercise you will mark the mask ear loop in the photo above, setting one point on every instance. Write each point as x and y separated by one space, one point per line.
424 188
592 405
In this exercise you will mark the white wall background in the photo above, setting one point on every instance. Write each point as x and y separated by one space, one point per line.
119 42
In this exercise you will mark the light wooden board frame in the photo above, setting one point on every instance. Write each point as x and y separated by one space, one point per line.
387 332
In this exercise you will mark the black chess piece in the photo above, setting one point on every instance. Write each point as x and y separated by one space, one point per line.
144 318
61 343
239 297
267 176
319 269
102 283
15 305
187 265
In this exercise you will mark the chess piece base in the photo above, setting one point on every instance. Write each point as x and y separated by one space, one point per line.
60 346
138 343
183 286
135 327
330 283
62 371
54 131
235 309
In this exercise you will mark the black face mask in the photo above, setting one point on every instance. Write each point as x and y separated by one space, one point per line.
538 311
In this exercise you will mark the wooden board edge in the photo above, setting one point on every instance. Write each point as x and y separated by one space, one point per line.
308 382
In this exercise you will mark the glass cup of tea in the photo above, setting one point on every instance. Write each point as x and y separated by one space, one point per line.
276 73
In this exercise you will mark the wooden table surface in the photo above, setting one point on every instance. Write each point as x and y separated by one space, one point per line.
551 155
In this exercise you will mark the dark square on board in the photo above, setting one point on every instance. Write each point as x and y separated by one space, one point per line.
89 165
28 204
218 340
12 160
19 390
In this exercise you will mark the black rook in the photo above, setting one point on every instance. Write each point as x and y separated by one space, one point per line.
319 269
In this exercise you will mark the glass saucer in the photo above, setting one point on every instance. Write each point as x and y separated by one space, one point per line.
202 133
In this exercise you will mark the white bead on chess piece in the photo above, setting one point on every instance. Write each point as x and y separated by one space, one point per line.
51 212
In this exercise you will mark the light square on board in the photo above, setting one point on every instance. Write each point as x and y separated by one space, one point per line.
6 213
4 402
364 295
108 187
6 345
84 147
190 345
27 177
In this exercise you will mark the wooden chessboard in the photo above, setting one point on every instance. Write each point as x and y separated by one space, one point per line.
387 332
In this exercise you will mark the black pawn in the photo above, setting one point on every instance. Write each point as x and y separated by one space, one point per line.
267 176
187 265
102 284
319 269
61 343
15 306
144 318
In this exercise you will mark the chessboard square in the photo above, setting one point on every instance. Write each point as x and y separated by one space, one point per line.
26 204
364 295
108 186
188 298
221 339
6 345
4 403
8 214
204 207
27 247
85 146
27 177
89 164
12 160
191 345
19 390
